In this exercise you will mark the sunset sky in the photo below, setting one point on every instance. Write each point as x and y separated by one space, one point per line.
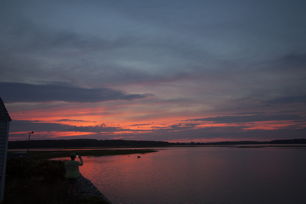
173 70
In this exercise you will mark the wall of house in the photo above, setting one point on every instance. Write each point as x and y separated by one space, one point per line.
4 127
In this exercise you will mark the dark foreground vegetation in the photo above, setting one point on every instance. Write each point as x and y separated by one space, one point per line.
40 182
32 178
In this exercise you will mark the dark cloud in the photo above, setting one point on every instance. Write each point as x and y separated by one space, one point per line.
26 125
292 61
140 124
31 38
20 92
288 100
70 120
182 126
249 118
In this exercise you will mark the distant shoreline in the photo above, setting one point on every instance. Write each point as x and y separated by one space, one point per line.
93 143
67 153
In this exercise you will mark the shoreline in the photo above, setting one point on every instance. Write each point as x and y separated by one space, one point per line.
88 190
67 153
37 178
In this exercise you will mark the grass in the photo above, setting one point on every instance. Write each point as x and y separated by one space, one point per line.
35 179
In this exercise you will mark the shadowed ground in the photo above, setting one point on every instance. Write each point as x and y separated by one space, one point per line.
35 179
42 181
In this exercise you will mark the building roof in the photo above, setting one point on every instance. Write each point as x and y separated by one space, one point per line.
4 115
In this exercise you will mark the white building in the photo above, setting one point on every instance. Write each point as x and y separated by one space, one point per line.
4 132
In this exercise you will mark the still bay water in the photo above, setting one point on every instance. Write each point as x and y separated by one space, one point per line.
202 175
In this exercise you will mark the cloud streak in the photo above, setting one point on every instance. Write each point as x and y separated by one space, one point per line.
250 118
37 126
20 92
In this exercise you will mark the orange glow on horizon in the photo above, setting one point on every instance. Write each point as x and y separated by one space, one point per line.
129 122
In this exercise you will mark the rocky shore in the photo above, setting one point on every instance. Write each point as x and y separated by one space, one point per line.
85 188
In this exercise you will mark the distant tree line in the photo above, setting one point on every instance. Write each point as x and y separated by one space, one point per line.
77 143
285 141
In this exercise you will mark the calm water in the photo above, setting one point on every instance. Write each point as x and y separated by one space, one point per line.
200 175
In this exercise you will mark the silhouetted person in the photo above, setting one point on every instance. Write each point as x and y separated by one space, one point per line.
72 172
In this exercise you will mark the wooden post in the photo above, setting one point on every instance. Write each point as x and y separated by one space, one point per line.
4 132
29 140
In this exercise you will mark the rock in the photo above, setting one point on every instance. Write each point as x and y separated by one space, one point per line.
85 188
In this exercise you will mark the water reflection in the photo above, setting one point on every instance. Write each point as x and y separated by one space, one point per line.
202 175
